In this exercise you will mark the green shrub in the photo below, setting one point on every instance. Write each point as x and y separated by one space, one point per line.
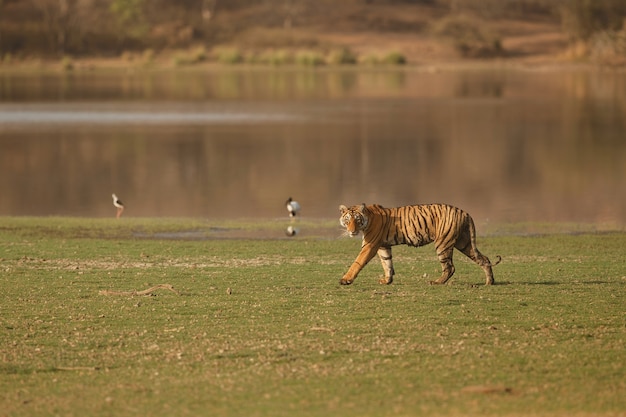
309 59
394 58
67 63
278 57
389 58
229 56
369 59
200 54
343 56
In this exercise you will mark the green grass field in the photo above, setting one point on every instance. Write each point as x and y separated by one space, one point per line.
259 325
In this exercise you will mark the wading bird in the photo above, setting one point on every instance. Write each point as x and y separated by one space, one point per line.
120 206
292 207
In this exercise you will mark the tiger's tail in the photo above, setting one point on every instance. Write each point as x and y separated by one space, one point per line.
496 262
483 259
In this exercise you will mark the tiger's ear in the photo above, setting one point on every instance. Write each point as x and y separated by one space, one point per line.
362 207
343 208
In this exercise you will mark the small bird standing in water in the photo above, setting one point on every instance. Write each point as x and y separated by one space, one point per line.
292 207
120 206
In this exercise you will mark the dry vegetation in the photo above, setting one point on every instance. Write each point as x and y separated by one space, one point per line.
312 32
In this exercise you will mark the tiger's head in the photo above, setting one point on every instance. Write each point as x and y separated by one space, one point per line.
354 219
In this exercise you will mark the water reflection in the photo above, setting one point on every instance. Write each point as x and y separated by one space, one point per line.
292 231
506 146
34 115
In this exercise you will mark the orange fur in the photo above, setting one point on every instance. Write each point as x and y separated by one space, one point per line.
447 226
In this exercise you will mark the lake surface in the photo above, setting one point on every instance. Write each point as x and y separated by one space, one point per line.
506 145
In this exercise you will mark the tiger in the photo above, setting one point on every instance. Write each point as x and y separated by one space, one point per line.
418 225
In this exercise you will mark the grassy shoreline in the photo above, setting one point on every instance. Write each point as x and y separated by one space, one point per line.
260 325
207 228
185 61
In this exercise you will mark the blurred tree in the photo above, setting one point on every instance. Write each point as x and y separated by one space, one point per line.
292 8
208 9
113 26
236 4
582 18
1 15
59 18
130 18
500 8
127 11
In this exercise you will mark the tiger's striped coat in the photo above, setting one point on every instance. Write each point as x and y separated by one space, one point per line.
447 226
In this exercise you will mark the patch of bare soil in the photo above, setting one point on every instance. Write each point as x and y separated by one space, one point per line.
80 266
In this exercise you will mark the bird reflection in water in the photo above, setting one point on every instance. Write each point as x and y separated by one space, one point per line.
293 208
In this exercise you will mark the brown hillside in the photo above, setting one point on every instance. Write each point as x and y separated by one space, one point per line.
421 31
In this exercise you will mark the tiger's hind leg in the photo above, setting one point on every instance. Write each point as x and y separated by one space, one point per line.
447 267
384 253
481 260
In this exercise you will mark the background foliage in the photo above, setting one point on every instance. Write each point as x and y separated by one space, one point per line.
110 27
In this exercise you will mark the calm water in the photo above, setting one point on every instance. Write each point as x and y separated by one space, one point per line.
509 146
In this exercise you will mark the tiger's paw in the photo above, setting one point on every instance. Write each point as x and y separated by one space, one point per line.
345 281
385 280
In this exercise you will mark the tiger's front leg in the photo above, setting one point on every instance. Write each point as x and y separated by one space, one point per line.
366 254
386 259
